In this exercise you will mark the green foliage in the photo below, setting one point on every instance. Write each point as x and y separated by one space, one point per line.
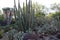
1 17
55 7
1 33
31 16
39 14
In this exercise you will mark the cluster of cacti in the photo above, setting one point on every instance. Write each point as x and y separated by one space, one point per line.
24 18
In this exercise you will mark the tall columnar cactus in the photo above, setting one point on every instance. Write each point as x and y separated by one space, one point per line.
29 13
28 16
33 19
15 9
25 17
32 15
19 16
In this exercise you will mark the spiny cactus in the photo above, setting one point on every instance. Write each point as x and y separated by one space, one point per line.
25 16
15 9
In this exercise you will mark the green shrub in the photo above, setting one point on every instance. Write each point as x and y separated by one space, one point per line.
1 33
1 17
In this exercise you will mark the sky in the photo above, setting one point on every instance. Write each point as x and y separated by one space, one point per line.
10 3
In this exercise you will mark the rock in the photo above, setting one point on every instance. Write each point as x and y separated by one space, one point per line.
29 36
58 36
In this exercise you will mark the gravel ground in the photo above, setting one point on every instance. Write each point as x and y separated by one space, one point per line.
5 37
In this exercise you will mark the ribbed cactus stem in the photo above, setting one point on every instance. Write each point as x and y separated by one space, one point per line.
19 16
15 9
